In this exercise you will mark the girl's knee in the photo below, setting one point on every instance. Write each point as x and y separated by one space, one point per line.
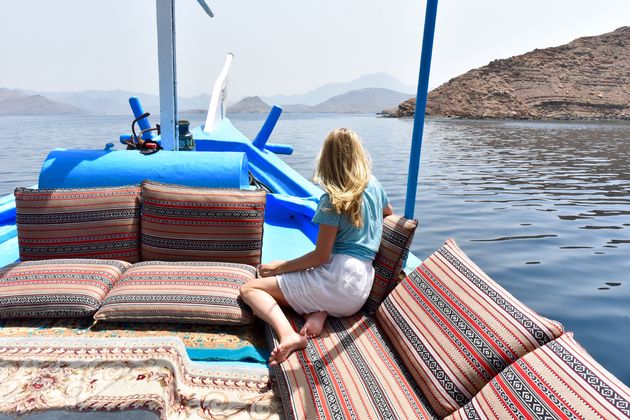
249 286
244 289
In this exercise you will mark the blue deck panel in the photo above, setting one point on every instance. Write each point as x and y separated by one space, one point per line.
7 232
224 131
9 252
284 243
7 209
412 263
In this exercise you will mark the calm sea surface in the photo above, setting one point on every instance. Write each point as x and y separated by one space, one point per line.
542 207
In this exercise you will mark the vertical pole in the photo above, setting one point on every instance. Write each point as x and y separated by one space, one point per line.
168 78
421 104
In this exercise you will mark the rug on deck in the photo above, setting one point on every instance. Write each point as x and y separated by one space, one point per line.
202 342
154 373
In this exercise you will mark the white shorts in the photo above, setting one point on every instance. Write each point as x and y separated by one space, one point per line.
339 287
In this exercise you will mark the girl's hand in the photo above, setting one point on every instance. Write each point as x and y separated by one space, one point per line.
269 269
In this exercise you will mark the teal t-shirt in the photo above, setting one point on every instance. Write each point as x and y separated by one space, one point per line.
362 242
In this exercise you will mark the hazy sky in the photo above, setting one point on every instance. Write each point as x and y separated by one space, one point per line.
281 46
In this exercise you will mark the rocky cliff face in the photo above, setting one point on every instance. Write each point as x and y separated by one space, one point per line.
589 78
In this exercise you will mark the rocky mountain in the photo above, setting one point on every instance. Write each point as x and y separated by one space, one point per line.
588 78
325 92
405 109
249 105
16 102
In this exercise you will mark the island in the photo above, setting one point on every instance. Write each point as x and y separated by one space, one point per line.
588 78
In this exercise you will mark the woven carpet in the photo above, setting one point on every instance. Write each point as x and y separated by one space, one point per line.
152 373
202 342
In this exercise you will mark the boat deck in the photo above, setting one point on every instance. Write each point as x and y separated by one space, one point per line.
284 243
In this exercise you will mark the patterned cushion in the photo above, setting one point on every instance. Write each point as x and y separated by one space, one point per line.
187 224
558 380
392 253
455 328
56 288
349 371
204 292
79 223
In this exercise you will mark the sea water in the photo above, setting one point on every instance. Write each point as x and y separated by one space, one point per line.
542 207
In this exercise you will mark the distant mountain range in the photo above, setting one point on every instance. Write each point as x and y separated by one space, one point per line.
16 102
369 93
323 93
116 102
360 101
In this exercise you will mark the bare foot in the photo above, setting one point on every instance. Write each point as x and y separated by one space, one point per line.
286 347
314 324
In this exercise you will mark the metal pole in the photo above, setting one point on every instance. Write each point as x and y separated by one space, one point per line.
421 104
165 11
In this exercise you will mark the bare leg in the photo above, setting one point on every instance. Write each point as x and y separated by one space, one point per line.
314 324
264 296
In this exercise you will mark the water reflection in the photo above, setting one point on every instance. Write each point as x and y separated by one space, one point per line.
512 238
575 170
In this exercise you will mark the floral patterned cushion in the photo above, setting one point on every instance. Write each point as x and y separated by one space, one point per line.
455 328
56 288
192 223
348 372
79 223
392 253
557 380
204 292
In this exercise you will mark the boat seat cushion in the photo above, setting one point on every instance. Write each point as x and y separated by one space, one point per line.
455 328
79 223
392 253
557 380
194 291
63 288
182 223
349 371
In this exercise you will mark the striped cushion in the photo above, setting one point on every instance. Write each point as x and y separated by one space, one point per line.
79 223
349 371
558 380
204 292
455 328
392 253
187 224
56 288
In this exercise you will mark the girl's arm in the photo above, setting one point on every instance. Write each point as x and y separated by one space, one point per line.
388 211
315 258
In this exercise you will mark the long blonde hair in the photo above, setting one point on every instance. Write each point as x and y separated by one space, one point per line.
343 169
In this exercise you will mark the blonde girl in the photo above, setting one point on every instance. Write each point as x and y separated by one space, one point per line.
334 279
